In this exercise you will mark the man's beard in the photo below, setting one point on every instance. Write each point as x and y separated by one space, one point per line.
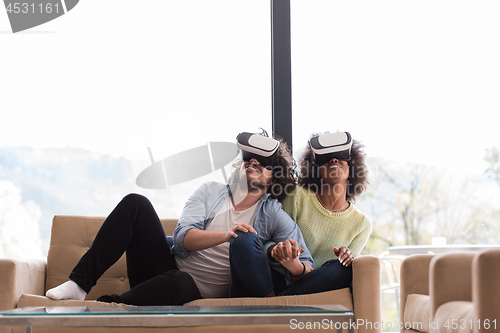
256 185
250 185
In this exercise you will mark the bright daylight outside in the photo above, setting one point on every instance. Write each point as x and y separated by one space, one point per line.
92 98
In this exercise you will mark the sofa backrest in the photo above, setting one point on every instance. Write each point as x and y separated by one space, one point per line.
71 237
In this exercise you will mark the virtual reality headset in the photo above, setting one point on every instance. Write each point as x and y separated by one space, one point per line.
332 145
262 148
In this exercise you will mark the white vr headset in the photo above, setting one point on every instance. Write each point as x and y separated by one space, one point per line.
262 148
332 145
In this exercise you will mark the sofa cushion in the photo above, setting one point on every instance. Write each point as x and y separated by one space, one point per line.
341 297
418 312
457 315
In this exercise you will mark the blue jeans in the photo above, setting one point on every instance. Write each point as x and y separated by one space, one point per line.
251 275
332 275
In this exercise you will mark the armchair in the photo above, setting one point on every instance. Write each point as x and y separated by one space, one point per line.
451 292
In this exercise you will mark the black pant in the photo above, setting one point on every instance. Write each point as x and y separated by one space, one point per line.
133 227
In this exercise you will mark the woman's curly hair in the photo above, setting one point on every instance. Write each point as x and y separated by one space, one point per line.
357 182
284 178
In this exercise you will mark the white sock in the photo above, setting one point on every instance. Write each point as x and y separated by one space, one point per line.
67 290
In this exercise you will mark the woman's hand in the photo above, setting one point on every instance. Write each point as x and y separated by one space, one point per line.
344 254
286 251
241 227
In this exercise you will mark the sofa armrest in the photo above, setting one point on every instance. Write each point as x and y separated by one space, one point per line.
20 277
366 292
450 279
414 278
486 288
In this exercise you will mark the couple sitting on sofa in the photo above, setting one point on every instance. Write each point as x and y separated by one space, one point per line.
228 235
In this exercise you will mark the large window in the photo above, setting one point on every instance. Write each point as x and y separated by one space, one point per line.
85 95
417 82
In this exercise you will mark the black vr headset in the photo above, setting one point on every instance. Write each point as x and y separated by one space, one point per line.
332 145
262 148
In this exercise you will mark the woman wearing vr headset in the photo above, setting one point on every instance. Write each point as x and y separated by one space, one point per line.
332 174
217 244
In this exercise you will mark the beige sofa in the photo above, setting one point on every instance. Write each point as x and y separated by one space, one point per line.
23 283
451 292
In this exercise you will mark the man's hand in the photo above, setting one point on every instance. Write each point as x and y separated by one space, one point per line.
286 251
196 239
241 227
344 254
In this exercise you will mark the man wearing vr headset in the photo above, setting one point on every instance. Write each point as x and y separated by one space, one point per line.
217 245
332 174
251 216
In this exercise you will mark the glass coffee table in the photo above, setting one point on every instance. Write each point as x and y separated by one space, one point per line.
333 317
